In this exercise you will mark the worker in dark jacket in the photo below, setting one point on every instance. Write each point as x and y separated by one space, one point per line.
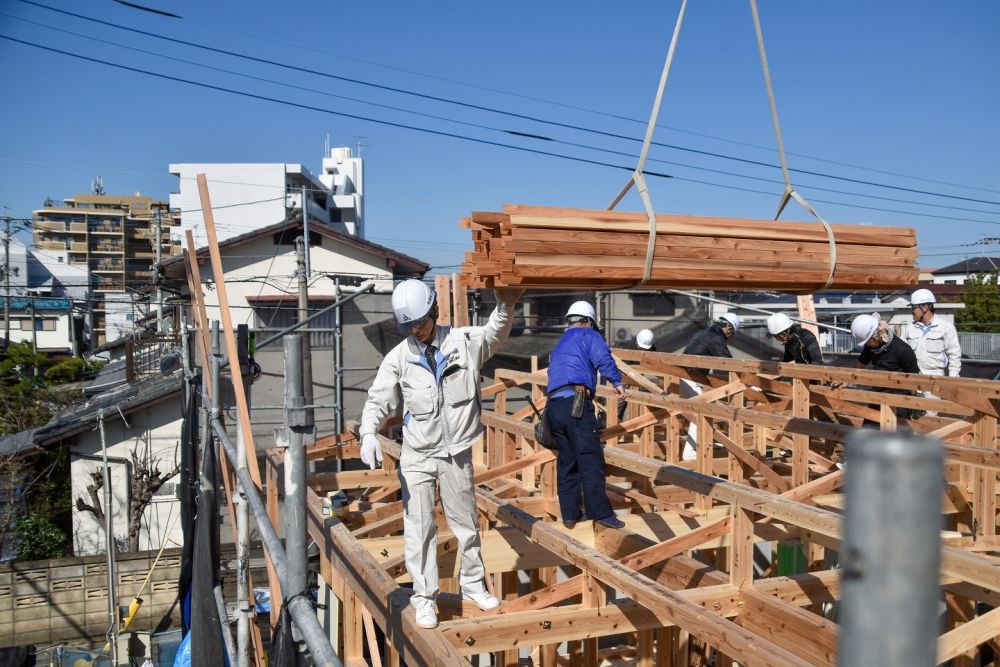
573 366
884 351
800 344
710 342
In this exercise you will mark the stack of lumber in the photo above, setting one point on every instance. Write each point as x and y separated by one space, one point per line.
544 247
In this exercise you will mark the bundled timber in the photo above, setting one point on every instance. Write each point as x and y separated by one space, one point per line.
544 247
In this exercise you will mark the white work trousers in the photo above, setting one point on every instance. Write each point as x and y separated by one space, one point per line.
690 389
417 476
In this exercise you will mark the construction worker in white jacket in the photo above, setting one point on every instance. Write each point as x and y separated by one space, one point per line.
934 340
436 373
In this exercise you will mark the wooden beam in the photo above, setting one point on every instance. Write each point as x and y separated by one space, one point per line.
723 634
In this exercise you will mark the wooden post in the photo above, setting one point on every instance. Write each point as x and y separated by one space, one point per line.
460 297
704 464
984 490
442 286
800 442
594 597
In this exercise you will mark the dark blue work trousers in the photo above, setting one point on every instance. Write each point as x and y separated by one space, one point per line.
580 462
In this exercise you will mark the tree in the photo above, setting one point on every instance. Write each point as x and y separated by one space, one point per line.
35 501
145 480
41 538
982 304
35 512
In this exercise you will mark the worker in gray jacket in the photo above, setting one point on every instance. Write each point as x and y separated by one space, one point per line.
435 371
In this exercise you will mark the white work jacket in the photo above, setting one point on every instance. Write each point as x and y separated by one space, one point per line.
441 414
936 346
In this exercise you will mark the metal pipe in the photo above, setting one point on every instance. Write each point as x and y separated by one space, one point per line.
338 359
299 606
242 516
315 406
695 295
109 545
227 633
209 411
891 551
296 419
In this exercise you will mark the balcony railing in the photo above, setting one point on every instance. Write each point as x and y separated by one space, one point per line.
106 229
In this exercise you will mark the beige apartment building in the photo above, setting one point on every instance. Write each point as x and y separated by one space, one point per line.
111 239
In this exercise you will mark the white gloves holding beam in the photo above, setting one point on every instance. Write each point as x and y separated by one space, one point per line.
371 451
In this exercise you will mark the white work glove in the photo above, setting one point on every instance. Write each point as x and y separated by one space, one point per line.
371 450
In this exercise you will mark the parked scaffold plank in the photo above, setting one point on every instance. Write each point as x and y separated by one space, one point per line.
545 247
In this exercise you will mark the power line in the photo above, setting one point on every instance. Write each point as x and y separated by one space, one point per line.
342 114
677 178
478 107
574 107
457 136
471 124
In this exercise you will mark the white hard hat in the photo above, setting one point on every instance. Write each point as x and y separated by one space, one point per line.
581 309
864 327
644 339
777 323
922 296
733 319
411 301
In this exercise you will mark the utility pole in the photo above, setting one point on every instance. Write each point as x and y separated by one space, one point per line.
307 376
156 271
34 330
297 427
6 278
338 361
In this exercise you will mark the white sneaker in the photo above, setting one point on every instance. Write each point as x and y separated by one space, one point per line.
484 600
426 616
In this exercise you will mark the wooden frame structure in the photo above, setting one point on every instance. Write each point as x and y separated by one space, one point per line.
732 554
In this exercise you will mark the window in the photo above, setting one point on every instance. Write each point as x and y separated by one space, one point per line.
45 325
15 324
647 305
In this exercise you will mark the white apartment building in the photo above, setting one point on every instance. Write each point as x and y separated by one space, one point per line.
247 197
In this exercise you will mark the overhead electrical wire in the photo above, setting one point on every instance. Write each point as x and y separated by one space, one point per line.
573 107
487 127
310 107
447 134
478 107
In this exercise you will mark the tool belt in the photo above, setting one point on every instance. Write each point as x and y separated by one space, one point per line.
581 394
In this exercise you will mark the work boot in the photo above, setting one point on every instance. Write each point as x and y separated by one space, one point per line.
484 600
426 615
611 521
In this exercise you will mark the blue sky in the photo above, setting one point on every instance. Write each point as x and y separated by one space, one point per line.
887 92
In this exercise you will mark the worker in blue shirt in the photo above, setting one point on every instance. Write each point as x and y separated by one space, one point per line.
573 366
